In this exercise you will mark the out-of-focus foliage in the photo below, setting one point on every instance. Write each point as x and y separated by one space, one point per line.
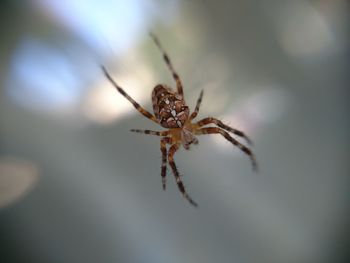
77 186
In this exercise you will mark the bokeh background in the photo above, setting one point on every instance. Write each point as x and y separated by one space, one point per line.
77 186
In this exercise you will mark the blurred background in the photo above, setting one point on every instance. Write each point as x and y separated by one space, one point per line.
77 186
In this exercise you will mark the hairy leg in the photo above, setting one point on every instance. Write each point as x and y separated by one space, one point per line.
198 104
149 132
170 66
219 123
226 135
133 102
163 143
180 185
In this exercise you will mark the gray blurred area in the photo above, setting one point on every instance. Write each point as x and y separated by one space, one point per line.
77 186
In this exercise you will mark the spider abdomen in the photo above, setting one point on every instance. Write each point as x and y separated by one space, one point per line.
169 107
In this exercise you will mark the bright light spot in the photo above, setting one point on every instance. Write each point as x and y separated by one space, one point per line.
104 104
304 31
17 177
42 78
106 25
99 22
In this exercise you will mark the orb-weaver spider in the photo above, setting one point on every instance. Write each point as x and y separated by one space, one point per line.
171 112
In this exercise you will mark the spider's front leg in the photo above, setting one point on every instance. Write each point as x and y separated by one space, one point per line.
180 185
149 132
226 135
219 123
169 64
137 106
198 104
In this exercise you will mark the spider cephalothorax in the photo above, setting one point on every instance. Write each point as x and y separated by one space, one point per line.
171 112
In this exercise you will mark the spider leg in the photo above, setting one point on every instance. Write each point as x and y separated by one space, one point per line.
246 150
133 102
219 123
198 104
163 143
157 133
180 185
169 64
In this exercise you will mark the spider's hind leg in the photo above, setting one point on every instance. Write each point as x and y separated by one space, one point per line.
163 143
226 135
219 123
179 182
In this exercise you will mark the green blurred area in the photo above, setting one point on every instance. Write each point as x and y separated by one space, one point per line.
77 186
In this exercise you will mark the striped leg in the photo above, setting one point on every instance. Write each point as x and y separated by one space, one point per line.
163 143
196 110
136 105
219 123
157 133
246 150
180 185
170 66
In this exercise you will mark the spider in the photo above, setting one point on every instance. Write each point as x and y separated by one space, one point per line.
171 112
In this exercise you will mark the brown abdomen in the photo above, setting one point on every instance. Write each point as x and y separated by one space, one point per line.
169 107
